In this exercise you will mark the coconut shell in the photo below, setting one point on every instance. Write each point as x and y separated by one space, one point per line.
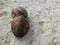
19 26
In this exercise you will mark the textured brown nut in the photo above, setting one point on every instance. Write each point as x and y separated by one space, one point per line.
19 11
19 26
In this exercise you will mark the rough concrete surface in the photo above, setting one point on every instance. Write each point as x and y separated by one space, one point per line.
44 20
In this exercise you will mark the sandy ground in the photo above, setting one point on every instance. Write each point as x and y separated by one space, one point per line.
44 20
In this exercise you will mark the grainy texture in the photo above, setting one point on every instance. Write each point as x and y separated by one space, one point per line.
44 20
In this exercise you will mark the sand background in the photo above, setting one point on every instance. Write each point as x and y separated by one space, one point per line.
44 20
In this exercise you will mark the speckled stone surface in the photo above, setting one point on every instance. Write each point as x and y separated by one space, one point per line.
44 20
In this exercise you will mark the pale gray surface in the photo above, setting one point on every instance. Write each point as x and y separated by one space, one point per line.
44 19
